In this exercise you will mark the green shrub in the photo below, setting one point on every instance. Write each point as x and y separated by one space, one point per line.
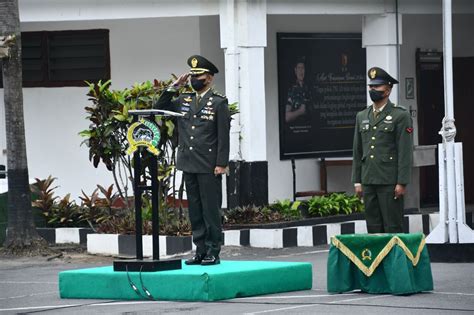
106 138
334 204
105 213
288 209
251 214
96 210
62 213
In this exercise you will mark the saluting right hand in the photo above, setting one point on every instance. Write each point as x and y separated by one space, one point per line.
181 80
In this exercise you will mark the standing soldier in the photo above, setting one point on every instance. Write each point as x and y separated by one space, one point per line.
382 156
203 153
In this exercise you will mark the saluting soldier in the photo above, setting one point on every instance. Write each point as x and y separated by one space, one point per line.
203 153
382 156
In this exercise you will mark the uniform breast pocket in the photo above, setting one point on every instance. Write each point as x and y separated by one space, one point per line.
386 128
364 133
207 121
389 158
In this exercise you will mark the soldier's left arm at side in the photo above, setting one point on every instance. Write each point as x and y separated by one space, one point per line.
404 146
223 131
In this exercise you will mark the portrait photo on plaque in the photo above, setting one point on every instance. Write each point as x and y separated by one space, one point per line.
321 87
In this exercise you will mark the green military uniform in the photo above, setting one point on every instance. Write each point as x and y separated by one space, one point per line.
299 95
382 158
203 134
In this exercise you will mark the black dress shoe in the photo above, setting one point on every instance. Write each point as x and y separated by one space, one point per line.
210 260
195 260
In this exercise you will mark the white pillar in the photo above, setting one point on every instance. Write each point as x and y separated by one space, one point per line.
243 38
379 38
228 33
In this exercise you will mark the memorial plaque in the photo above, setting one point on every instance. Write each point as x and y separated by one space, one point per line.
321 87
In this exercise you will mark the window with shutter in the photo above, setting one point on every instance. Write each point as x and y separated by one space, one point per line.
65 58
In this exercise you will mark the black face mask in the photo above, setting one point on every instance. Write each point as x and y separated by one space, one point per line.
197 84
376 96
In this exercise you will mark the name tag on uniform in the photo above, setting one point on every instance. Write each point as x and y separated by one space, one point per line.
365 124
184 108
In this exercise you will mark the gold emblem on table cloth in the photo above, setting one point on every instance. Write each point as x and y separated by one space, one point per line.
368 271
366 254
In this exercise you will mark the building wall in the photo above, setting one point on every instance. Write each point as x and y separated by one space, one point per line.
140 50
156 47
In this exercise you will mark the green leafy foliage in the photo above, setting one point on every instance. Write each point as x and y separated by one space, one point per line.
251 214
334 204
56 212
103 210
123 222
65 213
109 120
106 138
233 108
97 210
44 190
288 209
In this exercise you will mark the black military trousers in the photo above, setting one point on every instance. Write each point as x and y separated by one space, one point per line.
383 213
204 192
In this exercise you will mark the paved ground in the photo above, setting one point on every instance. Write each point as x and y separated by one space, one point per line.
31 286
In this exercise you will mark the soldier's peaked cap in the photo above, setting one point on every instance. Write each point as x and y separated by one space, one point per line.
378 76
200 65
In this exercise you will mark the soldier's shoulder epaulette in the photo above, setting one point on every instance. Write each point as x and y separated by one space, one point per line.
218 94
399 107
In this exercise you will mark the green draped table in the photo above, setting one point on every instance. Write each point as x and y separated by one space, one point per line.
379 263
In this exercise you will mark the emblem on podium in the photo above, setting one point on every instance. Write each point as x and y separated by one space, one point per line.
143 133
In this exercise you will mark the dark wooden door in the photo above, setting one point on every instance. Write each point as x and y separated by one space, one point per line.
430 94
463 86
431 112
